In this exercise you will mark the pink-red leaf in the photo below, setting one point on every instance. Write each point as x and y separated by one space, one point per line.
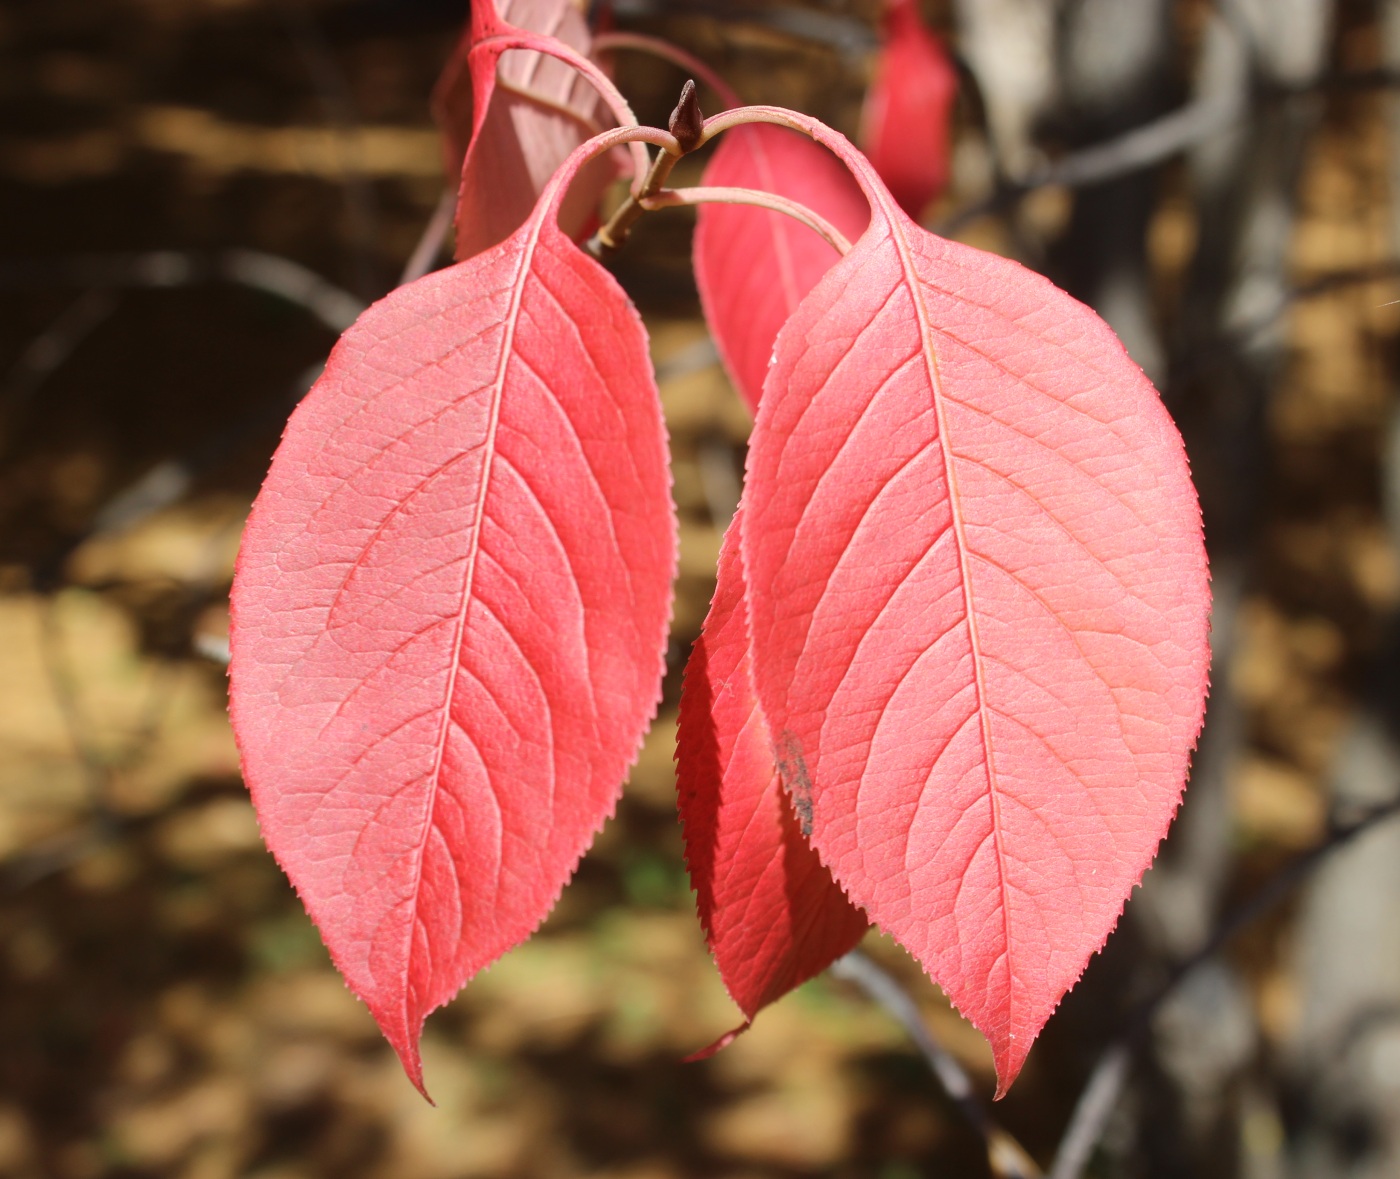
905 128
510 117
753 266
450 613
978 603
772 913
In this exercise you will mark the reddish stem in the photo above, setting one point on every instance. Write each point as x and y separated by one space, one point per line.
657 47
672 197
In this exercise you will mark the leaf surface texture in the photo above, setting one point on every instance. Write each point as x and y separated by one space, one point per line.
450 612
511 117
753 266
978 602
772 914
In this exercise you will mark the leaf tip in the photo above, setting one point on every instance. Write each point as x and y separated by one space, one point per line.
411 1058
723 1042
1010 1057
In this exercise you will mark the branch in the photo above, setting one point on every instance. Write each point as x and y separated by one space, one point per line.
1133 151
51 349
429 246
1100 1096
339 105
1157 141
685 126
1005 1156
842 33
272 274
1242 335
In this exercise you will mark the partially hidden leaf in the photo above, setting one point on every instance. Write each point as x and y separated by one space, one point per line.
753 266
772 914
510 117
450 614
978 604
905 129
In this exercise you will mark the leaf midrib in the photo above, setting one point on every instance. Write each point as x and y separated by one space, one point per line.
468 582
912 282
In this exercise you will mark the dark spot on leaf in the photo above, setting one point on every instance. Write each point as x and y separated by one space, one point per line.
792 768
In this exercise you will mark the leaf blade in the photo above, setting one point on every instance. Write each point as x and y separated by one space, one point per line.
772 914
739 248
970 668
905 121
509 119
449 615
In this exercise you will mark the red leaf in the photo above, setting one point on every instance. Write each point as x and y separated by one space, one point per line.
772 914
905 124
753 266
450 613
978 602
511 117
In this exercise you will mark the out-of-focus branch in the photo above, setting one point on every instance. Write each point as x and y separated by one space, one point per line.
1105 1084
430 245
1244 334
272 274
1157 141
1005 1156
339 105
842 33
50 350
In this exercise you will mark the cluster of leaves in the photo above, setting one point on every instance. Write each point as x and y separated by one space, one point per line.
956 658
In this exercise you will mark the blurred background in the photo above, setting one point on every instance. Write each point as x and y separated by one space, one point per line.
197 195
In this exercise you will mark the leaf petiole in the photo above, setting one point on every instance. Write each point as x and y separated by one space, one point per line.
498 43
689 131
687 124
675 197
657 47
780 116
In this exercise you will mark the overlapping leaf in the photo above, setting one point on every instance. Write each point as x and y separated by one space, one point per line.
905 129
753 266
978 605
510 117
772 913
450 613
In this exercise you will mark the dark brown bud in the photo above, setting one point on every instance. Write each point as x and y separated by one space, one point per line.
687 122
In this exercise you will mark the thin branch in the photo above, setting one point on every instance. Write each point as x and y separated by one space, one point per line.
691 359
719 481
1157 141
1007 1158
845 34
1135 150
339 105
1146 145
685 128
430 245
1100 1095
63 687
294 283
1091 1113
51 349
1242 335
272 274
